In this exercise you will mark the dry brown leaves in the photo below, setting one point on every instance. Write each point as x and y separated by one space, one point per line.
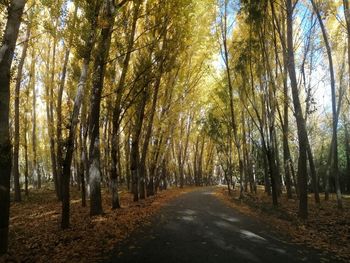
327 228
35 234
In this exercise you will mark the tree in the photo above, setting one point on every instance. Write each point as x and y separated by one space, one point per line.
224 27
94 8
60 157
15 11
302 133
99 68
17 127
335 168
115 151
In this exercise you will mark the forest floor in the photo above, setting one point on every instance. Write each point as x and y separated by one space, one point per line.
326 228
35 234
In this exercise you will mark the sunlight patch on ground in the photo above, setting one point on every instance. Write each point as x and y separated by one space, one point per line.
99 219
223 224
74 201
278 250
47 214
188 212
208 193
251 235
229 218
346 196
188 218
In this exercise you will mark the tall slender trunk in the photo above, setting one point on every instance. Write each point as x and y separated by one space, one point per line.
185 151
271 158
84 152
335 168
70 145
286 153
49 114
232 110
73 125
347 19
59 99
267 182
83 158
301 126
127 158
36 172
99 69
287 159
135 155
347 150
200 162
153 166
7 48
149 131
195 161
245 153
164 175
16 135
26 172
25 145
31 86
314 177
115 150
331 151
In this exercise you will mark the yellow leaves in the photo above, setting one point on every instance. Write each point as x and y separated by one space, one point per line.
325 229
36 236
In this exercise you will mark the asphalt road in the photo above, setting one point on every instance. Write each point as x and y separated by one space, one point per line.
197 227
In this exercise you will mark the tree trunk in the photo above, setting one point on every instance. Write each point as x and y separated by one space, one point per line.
26 169
314 177
84 152
7 48
26 172
82 163
49 115
127 159
99 69
301 126
16 136
287 159
36 172
273 174
115 172
335 168
267 182
135 156
347 150
185 151
200 162
59 100
347 19
70 146
232 110
149 131
73 126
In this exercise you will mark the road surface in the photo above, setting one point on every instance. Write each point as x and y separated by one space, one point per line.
198 227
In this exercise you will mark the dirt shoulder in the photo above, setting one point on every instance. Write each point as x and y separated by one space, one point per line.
327 229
